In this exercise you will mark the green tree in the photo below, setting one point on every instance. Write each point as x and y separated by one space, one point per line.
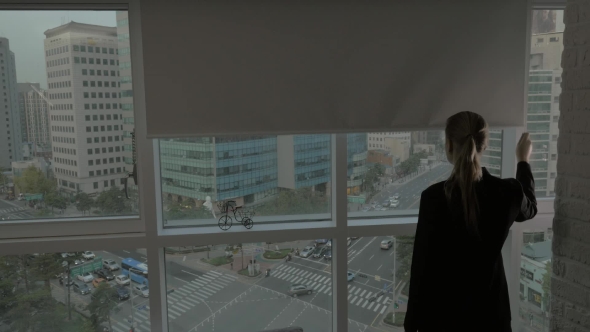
547 284
33 181
372 176
298 201
404 252
85 203
112 201
176 211
102 304
45 267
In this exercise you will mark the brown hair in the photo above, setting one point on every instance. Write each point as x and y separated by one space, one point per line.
468 133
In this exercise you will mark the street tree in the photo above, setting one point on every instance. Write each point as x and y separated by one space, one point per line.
112 201
547 284
404 252
33 181
44 267
84 203
298 201
175 211
102 305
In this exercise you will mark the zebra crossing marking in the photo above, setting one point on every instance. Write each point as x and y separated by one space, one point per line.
382 310
370 306
376 307
183 306
360 300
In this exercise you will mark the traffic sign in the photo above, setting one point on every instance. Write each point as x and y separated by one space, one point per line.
92 266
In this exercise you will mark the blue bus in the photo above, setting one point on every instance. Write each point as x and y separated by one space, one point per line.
136 271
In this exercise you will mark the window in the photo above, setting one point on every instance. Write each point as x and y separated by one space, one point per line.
84 72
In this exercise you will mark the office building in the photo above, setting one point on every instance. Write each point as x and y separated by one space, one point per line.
10 121
86 120
356 148
304 161
35 115
125 80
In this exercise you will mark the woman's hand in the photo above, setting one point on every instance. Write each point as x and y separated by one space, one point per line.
524 147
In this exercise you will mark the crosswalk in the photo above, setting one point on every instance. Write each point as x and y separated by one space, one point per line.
15 213
183 299
321 282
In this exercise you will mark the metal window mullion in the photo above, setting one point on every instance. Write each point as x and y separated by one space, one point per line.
513 244
147 159
339 246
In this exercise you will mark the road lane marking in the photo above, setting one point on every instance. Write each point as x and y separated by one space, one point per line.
215 272
175 312
125 251
299 272
360 300
191 286
380 266
174 296
357 291
364 291
297 280
188 299
371 305
353 299
196 275
206 291
182 291
382 310
327 290
322 288
365 304
183 306
318 277
349 295
181 280
376 307
140 314
369 294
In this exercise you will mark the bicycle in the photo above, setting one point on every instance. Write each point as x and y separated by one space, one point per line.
240 215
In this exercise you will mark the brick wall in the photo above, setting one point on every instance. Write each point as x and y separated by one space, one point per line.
570 286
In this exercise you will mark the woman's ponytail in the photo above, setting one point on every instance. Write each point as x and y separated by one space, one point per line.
468 142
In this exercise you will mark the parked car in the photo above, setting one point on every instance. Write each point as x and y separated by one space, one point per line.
366 209
328 254
298 289
121 292
97 281
394 203
77 262
321 241
329 243
386 244
110 264
81 288
106 274
122 279
349 276
86 277
396 196
64 278
354 237
306 252
88 255
319 252
385 203
141 290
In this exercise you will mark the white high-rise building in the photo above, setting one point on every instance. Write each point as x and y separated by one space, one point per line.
35 115
376 141
10 122
126 86
86 118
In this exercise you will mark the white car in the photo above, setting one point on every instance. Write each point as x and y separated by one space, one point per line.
110 264
386 244
141 290
394 203
88 255
86 277
348 241
307 251
122 279
329 243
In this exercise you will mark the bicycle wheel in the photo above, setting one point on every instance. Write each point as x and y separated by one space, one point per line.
224 223
248 223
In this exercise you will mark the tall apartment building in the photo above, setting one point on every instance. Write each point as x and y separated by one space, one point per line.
492 156
376 141
10 122
86 120
124 52
34 114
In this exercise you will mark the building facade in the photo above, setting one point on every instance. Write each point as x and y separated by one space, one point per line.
34 111
11 133
86 120
356 149
125 79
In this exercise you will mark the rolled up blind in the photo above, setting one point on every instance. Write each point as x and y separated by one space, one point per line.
296 66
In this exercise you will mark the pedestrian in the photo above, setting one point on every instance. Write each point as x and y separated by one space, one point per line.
232 265
469 215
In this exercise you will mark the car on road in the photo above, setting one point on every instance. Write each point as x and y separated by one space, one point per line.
299 289
366 209
307 251
349 276
385 203
354 237
386 244
121 292
141 290
321 241
77 262
328 255
110 264
329 243
86 277
396 196
378 207
97 281
319 252
80 287
122 279
394 204
87 255
348 241
106 274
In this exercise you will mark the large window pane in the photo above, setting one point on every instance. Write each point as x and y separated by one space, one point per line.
378 280
535 277
76 291
225 287
388 171
261 177
66 133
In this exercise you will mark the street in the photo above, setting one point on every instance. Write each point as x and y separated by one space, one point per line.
15 210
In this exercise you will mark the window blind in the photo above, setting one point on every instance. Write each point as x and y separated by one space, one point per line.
293 66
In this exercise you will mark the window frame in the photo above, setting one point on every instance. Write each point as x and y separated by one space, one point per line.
146 230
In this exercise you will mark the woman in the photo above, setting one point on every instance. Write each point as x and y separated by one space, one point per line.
457 280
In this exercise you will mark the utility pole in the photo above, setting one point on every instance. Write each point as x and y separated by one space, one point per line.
67 281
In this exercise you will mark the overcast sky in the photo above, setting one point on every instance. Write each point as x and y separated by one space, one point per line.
24 30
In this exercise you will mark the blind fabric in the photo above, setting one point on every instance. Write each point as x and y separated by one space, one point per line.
296 66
